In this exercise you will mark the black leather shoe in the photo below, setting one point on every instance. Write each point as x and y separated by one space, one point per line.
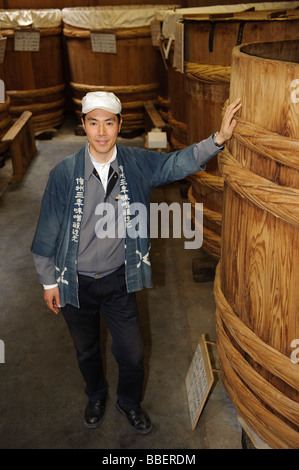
138 419
94 413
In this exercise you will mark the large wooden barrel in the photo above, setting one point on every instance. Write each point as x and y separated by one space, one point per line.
34 80
5 118
256 285
171 99
171 34
131 72
209 42
5 121
177 107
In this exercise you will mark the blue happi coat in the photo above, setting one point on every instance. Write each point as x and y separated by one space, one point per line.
58 230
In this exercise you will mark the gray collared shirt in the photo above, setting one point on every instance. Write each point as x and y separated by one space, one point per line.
101 248
100 253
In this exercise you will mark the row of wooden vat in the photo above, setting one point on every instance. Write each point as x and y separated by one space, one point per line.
251 203
251 210
250 194
66 65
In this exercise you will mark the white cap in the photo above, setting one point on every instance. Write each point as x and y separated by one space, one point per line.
101 100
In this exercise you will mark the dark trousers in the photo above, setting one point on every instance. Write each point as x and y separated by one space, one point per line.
120 312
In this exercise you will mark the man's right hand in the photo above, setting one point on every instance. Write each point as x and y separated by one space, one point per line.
52 299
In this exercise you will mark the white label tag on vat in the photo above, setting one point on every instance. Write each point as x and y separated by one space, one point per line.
2 49
103 42
27 40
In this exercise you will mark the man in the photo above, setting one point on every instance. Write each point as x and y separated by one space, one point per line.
84 271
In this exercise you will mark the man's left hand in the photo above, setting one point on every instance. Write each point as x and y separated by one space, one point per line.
228 122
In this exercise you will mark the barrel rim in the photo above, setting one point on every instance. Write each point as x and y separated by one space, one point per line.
241 50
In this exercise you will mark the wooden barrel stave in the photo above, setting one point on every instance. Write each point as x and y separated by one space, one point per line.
256 286
38 81
207 68
5 121
177 106
92 71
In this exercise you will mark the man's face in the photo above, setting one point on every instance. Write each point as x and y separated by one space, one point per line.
102 128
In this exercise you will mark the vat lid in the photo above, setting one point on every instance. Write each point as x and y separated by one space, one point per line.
114 17
35 18
172 17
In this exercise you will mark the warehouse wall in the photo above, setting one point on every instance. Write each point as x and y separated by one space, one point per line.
201 3
77 3
31 4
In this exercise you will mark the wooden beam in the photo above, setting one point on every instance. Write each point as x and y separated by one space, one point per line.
20 138
152 117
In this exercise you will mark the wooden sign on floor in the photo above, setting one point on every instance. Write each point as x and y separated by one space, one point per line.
199 380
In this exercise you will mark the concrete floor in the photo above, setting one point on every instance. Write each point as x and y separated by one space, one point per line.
41 390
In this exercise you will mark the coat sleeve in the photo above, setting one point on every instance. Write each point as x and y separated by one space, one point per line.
51 217
164 168
45 268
